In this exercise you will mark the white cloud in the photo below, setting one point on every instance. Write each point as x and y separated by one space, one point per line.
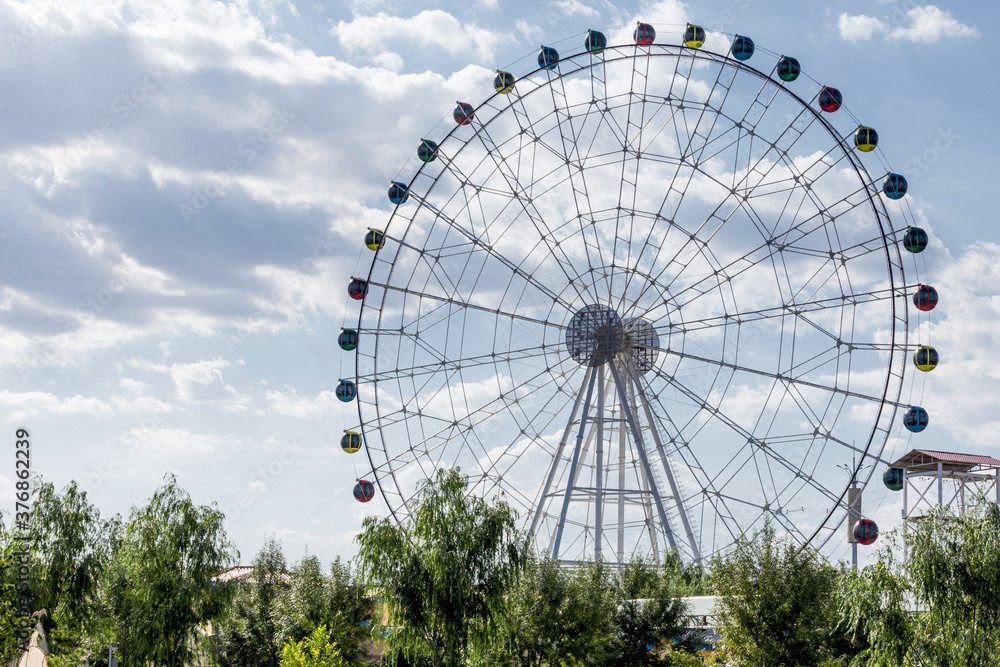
529 30
434 28
300 407
927 24
32 403
573 7
859 28
201 382
179 441
930 24
961 394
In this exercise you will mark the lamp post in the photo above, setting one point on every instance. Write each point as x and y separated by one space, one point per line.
112 661
853 507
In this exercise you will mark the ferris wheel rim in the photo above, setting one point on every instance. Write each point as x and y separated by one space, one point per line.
861 173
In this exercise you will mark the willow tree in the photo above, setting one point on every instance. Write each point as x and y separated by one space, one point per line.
159 579
941 604
444 573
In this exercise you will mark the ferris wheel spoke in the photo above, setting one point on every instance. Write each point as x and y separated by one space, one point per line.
528 208
489 249
492 459
497 473
464 304
693 238
786 379
743 317
462 427
715 413
575 174
448 364
630 158
671 191
707 487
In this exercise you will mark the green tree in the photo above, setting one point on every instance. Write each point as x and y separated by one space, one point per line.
555 617
8 597
316 650
159 579
67 546
304 606
778 603
253 631
336 601
688 579
444 574
648 610
66 537
939 606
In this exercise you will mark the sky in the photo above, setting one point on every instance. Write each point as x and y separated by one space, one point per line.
186 185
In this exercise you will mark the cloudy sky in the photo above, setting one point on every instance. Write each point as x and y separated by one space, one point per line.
186 185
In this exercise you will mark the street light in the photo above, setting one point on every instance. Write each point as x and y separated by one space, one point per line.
853 506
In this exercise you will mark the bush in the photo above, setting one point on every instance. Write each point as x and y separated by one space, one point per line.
316 650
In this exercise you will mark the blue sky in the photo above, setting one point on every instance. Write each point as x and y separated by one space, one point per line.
186 185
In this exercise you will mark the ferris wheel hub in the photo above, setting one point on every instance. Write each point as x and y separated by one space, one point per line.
595 335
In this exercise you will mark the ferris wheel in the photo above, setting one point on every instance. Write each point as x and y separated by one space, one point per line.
648 292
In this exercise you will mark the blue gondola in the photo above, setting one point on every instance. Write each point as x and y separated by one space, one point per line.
346 391
742 47
548 57
916 419
894 186
398 193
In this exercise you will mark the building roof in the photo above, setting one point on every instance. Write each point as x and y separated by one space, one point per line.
701 605
952 461
244 574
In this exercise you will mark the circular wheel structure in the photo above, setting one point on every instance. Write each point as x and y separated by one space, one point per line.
650 294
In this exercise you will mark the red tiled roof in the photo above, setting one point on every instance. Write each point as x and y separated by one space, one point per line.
953 458
244 573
